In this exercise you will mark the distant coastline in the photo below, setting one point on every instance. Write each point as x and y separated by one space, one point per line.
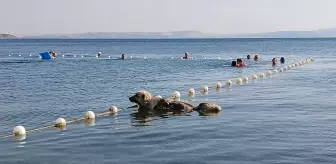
7 36
321 33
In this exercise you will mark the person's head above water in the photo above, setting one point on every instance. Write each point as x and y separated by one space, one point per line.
233 63
240 63
274 61
256 57
186 55
248 56
282 60
122 56
239 60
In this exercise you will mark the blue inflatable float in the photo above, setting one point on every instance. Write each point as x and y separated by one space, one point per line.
46 56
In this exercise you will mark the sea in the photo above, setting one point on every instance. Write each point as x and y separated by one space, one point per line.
286 117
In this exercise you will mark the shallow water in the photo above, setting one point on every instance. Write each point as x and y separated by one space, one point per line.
286 118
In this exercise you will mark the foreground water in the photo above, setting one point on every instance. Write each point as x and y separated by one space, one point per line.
286 118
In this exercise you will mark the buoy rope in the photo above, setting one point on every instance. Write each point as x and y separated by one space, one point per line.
289 66
71 121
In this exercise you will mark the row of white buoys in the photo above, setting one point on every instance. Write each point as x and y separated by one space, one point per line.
90 115
240 80
110 57
20 131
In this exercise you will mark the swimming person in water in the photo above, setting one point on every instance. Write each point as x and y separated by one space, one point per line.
99 54
240 63
234 64
249 57
256 57
282 60
186 56
53 54
274 61
122 56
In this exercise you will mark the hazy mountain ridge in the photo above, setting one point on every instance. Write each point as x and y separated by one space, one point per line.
7 36
321 33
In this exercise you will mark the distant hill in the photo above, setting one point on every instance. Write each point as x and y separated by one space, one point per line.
322 33
129 35
7 36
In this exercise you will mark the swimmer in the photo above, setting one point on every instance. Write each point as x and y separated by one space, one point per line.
186 56
282 60
256 57
99 54
249 57
233 63
240 63
274 61
122 56
53 54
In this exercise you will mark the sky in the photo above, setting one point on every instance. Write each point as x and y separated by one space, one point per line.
35 17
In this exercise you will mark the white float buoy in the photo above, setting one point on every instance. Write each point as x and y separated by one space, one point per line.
219 58
9 55
19 130
296 64
275 71
82 56
19 55
204 88
63 56
113 109
30 55
245 79
145 57
176 95
262 75
109 57
131 57
191 92
219 85
269 73
254 77
239 80
74 55
228 83
281 69
60 122
90 115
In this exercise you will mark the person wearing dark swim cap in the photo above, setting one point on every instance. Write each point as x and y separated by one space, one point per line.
274 61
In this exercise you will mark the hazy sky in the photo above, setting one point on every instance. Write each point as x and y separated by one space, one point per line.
212 16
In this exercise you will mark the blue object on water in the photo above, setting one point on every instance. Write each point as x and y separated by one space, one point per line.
45 56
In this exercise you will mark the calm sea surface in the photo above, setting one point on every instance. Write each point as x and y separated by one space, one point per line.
287 118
